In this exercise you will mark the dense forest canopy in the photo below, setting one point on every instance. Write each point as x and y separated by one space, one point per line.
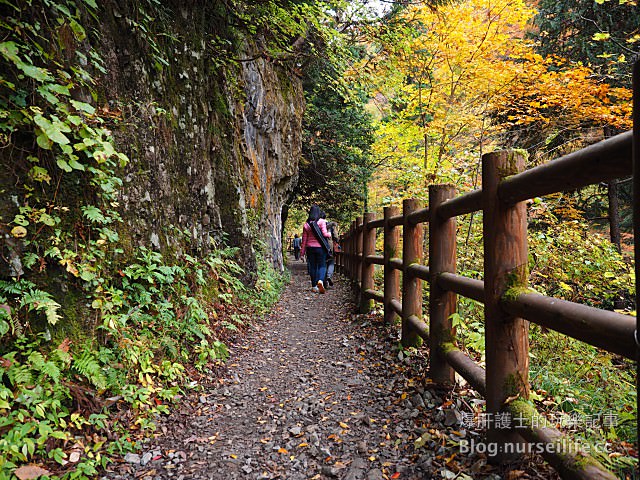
444 85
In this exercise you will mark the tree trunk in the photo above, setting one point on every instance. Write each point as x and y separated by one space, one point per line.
365 195
614 214
612 193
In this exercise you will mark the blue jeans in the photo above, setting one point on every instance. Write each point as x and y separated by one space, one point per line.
331 265
317 263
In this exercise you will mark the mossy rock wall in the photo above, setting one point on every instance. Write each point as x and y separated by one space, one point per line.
214 136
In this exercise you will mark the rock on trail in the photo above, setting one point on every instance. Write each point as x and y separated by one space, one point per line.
314 392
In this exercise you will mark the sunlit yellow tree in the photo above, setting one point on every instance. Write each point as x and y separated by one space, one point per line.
448 83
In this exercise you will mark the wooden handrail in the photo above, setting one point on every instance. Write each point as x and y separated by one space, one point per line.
466 367
396 221
375 259
467 287
420 327
396 263
419 216
376 223
601 328
418 271
374 295
397 306
600 162
467 203
509 304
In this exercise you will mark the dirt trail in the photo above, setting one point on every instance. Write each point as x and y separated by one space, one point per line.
315 392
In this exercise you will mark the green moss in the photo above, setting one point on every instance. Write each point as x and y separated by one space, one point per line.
523 409
513 293
572 457
447 347
219 102
514 385
516 282
511 165
582 461
521 152
74 320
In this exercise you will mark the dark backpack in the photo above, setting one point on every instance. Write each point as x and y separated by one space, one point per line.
317 232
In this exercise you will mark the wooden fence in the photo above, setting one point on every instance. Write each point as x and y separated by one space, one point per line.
508 305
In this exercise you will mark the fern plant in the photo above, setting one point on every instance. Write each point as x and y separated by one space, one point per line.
88 367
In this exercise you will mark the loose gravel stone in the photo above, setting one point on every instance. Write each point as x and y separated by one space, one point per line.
313 391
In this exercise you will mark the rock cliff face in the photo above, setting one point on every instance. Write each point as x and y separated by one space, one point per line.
214 142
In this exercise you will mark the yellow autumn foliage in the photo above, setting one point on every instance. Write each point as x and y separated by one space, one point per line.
448 89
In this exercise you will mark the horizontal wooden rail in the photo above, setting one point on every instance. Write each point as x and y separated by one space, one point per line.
396 306
374 295
376 223
474 374
601 328
419 216
420 327
419 271
603 161
375 259
467 287
396 221
396 263
568 458
467 203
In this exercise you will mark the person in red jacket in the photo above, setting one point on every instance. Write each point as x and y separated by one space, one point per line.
312 247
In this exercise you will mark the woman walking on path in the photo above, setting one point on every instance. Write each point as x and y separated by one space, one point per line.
297 241
314 235
331 262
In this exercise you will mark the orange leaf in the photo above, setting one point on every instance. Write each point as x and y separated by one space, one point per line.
64 346
515 474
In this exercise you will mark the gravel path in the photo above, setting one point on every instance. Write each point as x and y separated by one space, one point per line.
315 392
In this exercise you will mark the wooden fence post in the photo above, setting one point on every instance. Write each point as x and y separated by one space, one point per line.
505 270
442 303
411 285
346 251
391 277
337 258
352 250
358 249
636 217
368 248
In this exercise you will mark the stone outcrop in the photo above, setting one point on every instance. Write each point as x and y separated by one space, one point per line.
214 141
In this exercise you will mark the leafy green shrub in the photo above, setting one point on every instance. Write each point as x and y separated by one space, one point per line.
270 282
571 261
156 318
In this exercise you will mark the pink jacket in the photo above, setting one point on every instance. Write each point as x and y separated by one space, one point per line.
309 239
